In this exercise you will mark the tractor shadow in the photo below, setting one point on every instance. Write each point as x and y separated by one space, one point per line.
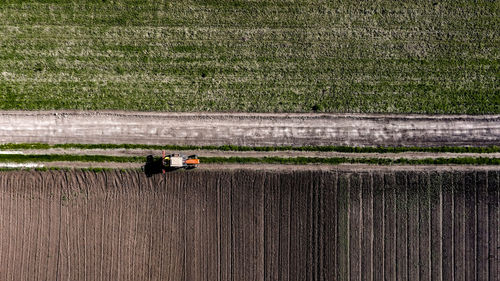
155 166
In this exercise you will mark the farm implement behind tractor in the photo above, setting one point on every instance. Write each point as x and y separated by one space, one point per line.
169 162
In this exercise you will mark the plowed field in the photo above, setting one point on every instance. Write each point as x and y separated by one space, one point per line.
249 225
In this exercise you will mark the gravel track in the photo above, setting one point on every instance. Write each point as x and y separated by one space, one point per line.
247 129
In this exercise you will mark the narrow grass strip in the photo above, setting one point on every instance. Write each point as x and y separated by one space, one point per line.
348 149
44 169
255 160
345 160
22 158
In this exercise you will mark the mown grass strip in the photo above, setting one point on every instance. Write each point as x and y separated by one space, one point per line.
348 149
44 169
255 160
345 160
23 158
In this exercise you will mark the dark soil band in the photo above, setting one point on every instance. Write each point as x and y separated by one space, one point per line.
254 160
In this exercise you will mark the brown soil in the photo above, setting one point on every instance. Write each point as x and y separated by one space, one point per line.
250 225
249 129
259 167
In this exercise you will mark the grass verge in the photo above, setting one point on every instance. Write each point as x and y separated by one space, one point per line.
44 169
345 160
349 149
73 158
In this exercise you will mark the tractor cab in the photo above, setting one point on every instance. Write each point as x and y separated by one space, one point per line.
177 161
169 162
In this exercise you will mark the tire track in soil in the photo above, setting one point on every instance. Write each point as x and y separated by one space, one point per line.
423 224
447 226
25 226
34 217
401 192
5 219
367 226
482 226
355 227
389 227
246 224
459 226
493 226
18 221
470 226
378 226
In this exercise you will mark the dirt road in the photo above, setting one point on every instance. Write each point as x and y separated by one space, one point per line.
248 129
256 154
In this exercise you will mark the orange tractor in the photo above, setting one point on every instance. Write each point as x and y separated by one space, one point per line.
169 162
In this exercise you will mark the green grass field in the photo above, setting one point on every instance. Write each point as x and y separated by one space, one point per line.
258 56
